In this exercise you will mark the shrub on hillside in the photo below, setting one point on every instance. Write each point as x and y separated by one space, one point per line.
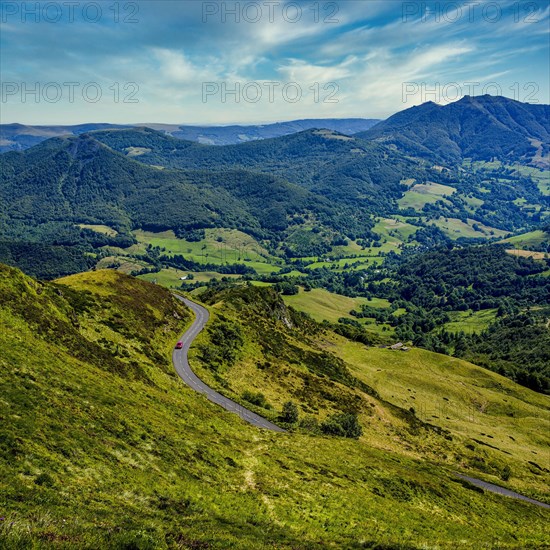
342 425
290 413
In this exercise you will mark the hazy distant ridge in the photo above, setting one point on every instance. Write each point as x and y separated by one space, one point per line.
17 137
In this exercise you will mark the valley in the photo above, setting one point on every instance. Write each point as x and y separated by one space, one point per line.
274 275
380 303
307 488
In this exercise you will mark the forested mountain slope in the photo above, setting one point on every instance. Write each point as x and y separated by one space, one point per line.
80 180
480 128
326 162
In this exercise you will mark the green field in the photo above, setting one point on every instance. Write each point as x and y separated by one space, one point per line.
413 199
103 229
324 305
122 263
395 228
171 277
456 229
352 263
471 321
421 194
463 398
532 238
220 246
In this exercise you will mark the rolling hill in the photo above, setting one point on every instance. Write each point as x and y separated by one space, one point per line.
323 161
80 180
301 194
53 193
17 137
228 135
479 128
102 446
366 175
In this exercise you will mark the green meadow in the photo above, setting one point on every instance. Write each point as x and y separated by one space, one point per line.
102 446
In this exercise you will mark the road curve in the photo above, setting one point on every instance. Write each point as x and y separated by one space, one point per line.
181 364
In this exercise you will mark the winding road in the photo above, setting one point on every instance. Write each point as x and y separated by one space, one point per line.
501 490
181 364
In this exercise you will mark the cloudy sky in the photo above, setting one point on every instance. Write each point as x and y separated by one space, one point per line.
212 62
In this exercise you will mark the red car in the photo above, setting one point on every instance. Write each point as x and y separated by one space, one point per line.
179 345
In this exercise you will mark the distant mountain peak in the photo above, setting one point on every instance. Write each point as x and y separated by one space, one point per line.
479 127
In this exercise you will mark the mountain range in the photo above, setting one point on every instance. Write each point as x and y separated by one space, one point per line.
479 128
299 193
17 137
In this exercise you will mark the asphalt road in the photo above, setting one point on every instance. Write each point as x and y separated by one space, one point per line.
501 490
181 364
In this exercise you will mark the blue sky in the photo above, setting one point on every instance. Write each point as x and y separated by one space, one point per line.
179 61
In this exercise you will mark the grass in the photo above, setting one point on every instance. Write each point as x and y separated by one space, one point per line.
352 263
228 246
420 195
103 229
323 305
532 238
456 228
122 263
527 254
471 322
171 277
395 228
413 199
490 421
465 399
431 188
219 246
109 449
394 234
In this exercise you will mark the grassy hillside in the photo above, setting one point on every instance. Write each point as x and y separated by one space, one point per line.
533 239
102 446
487 410
323 305
283 356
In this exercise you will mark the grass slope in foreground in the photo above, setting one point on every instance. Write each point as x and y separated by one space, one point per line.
420 404
101 446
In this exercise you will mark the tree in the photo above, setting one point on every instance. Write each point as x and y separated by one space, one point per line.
290 413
